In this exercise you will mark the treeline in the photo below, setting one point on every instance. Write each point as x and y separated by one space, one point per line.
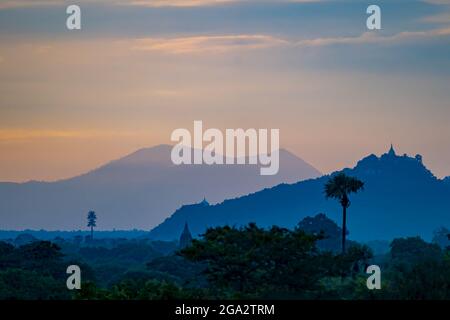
253 263
228 263
32 272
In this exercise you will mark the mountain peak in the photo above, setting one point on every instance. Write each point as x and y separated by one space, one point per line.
157 154
392 164
144 185
402 198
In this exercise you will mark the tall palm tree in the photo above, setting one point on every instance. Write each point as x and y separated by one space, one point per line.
339 187
92 222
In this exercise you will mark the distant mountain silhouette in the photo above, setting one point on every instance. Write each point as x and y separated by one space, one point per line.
401 197
137 191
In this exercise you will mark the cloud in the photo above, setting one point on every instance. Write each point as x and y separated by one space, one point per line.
202 44
444 2
22 134
9 4
197 3
372 37
227 43
443 18
175 3
8 135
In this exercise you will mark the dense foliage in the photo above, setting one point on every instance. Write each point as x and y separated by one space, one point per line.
226 263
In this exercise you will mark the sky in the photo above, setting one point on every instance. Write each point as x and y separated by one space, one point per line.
71 101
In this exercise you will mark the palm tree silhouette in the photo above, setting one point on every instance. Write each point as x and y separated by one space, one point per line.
92 222
339 187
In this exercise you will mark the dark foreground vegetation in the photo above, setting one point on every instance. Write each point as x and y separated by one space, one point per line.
228 263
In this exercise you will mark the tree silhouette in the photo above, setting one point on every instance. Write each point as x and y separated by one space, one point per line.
339 187
92 222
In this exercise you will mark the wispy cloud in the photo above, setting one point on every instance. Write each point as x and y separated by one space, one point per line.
8 4
175 3
442 18
10 135
226 43
27 134
372 37
201 44
197 3
445 2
